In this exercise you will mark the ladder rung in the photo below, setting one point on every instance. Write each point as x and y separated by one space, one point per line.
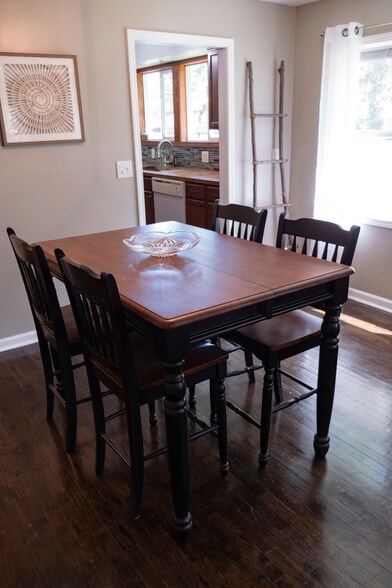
282 204
270 161
278 114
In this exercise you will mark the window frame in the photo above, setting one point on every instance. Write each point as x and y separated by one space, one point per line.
369 43
179 97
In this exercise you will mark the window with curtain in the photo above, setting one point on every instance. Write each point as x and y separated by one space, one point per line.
372 150
355 129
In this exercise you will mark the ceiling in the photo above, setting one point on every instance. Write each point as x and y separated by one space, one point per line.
291 2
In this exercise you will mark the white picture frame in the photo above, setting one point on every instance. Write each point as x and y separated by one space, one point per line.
39 99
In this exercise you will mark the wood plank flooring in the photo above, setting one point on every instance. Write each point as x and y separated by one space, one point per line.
299 521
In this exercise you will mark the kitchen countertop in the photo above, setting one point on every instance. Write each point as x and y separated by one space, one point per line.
191 174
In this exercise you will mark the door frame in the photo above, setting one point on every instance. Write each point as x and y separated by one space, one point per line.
225 48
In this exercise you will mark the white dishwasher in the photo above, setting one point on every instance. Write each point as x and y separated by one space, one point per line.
169 200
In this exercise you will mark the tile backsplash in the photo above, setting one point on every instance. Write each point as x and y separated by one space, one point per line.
186 157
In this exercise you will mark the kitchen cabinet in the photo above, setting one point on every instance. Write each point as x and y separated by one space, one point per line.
149 200
212 194
200 200
201 191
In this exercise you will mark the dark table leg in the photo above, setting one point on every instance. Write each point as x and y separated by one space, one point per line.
177 443
326 377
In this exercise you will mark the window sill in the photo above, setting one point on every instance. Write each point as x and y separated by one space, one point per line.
378 223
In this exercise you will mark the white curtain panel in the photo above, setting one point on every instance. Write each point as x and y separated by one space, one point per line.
335 192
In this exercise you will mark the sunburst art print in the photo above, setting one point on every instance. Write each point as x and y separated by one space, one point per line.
39 99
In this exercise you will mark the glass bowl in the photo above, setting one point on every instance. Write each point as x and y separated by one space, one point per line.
159 244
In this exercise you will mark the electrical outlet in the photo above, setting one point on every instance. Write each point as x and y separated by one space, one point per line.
152 153
124 169
205 156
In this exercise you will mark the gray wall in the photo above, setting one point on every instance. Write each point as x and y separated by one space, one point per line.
58 190
372 260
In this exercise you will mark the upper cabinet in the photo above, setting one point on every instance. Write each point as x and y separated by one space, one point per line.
213 89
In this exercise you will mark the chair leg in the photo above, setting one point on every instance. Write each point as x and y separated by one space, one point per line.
48 374
65 385
265 420
152 413
249 363
222 430
278 383
99 420
213 403
192 396
136 453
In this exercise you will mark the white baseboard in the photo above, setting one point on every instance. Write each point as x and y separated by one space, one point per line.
18 341
357 295
370 299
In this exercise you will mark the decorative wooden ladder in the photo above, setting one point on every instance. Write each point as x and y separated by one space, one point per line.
275 160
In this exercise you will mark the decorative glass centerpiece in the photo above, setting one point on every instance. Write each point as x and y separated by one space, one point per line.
160 244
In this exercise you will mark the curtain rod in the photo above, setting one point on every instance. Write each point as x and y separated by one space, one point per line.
364 27
383 24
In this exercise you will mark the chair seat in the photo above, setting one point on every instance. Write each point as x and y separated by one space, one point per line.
70 325
277 334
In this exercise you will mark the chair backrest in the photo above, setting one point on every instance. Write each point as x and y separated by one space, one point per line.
98 312
318 238
40 289
240 221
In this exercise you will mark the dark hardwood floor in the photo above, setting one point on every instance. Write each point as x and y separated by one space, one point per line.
300 521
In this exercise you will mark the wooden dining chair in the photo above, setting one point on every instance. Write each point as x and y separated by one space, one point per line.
238 220
243 222
290 334
125 362
57 334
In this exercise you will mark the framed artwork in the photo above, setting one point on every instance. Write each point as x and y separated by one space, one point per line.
39 99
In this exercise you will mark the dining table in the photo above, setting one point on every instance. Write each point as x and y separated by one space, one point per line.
220 284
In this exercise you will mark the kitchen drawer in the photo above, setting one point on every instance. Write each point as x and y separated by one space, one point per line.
212 193
195 191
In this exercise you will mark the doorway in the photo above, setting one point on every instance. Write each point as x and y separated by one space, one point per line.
225 48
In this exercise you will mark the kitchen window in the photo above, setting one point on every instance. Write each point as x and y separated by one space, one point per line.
158 104
174 102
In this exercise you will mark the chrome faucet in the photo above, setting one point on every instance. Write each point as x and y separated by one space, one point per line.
165 159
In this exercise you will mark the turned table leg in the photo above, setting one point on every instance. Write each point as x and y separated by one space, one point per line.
177 442
326 377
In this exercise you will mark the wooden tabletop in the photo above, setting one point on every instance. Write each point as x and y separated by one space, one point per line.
219 274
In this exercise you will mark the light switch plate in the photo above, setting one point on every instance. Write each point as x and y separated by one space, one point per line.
205 156
124 169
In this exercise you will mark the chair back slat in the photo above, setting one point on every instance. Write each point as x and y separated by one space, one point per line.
40 289
237 220
318 238
294 244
